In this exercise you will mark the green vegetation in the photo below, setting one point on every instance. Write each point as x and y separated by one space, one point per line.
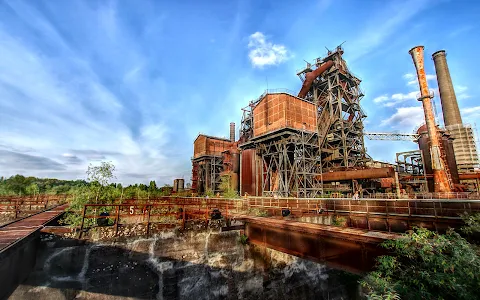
20 185
338 221
243 239
426 265
472 224
226 187
99 188
257 212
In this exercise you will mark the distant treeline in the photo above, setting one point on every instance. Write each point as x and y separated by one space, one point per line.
21 185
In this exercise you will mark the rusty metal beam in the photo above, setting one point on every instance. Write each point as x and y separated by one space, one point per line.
352 250
310 77
358 174
466 176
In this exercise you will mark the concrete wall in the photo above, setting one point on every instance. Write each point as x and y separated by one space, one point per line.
206 264
16 263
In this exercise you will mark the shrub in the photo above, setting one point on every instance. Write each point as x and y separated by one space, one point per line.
426 265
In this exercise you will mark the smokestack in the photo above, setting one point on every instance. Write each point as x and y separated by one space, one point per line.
440 177
451 112
232 131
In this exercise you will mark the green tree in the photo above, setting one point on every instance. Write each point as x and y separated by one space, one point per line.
99 177
32 189
426 265
226 186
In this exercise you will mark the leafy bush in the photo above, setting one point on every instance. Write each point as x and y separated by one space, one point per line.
338 221
243 239
257 212
426 265
472 223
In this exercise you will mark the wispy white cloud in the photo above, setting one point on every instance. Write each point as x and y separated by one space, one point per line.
461 92
381 98
264 53
392 100
413 80
471 110
405 118
58 106
470 114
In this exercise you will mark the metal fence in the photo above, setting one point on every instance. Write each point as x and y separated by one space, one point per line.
20 206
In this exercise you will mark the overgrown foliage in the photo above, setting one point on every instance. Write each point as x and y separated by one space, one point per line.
20 185
338 221
426 265
97 189
243 239
226 187
472 223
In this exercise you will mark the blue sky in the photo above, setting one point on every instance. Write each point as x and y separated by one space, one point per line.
134 82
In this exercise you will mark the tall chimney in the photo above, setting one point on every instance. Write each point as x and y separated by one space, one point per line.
232 131
440 177
451 112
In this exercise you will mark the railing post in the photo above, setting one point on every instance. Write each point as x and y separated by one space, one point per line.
368 219
83 221
117 214
16 209
183 216
350 212
206 215
148 220
388 214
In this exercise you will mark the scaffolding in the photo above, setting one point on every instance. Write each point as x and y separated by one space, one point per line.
464 147
290 163
337 95
208 162
411 168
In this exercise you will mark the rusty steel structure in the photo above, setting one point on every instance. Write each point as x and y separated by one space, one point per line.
441 174
288 141
336 93
307 143
207 163
391 136
279 149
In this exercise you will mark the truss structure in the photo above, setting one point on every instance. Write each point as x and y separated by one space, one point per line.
290 163
391 136
411 162
337 95
206 173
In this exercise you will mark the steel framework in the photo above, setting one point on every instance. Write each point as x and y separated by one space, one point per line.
290 163
293 160
337 95
206 173
391 136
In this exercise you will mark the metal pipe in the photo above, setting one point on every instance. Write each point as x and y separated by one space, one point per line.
451 112
466 176
439 174
310 77
387 172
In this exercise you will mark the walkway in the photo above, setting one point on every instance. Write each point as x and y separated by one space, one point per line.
17 230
